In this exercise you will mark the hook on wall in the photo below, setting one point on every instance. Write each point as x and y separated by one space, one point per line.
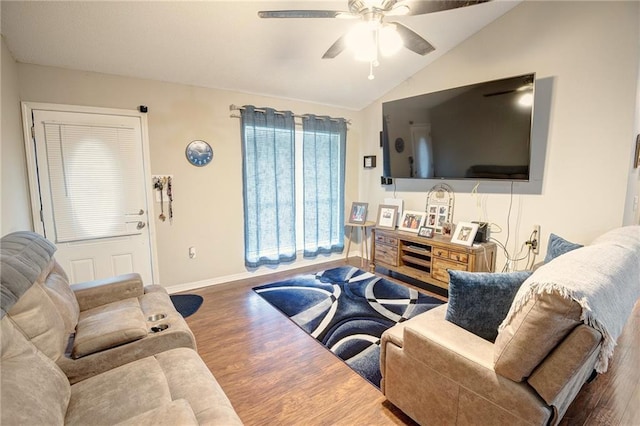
160 181
162 185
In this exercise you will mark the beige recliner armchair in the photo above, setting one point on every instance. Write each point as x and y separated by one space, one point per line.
546 349
439 373
91 327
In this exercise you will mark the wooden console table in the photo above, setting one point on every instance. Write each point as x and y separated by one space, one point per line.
427 259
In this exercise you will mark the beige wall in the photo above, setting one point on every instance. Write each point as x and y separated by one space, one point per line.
15 211
586 56
208 205
632 205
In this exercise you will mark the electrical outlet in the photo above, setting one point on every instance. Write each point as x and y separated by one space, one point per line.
535 239
192 252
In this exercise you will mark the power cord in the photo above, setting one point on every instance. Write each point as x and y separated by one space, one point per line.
531 244
506 243
476 193
511 260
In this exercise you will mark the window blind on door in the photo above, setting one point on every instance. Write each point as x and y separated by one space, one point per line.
96 187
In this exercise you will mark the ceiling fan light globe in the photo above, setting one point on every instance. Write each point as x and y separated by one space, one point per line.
361 41
389 40
365 55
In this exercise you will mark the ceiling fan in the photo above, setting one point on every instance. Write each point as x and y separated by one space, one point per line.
373 34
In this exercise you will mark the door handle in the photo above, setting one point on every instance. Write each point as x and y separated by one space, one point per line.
139 224
139 213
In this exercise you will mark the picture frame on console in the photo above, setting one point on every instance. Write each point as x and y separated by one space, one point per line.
437 216
412 221
358 214
387 216
465 233
396 202
425 231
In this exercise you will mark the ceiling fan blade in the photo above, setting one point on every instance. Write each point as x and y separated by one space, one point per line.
413 41
335 49
300 13
421 7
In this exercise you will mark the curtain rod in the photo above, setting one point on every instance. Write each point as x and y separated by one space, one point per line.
233 107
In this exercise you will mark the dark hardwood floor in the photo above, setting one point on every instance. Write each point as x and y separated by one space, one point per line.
274 373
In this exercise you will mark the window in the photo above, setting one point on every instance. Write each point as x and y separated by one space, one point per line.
89 167
293 185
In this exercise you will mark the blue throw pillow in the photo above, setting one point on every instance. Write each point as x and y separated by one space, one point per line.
479 301
558 246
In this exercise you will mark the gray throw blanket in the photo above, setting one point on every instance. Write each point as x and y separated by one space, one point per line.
23 257
604 278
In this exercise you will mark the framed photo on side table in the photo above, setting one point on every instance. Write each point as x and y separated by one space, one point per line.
412 221
465 233
358 213
387 216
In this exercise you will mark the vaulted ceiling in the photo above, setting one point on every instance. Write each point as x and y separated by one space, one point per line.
223 44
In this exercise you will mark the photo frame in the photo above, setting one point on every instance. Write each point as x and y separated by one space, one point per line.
437 215
387 216
396 202
439 207
425 231
465 233
358 213
412 221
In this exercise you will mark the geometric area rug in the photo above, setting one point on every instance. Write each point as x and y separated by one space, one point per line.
347 310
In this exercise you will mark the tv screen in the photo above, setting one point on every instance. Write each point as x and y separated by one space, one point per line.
481 131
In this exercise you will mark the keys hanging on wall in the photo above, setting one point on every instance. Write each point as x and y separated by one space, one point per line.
170 196
162 184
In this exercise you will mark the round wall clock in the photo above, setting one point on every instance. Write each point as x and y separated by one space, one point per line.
399 144
199 153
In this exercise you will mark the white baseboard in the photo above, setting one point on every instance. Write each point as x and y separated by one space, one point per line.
263 271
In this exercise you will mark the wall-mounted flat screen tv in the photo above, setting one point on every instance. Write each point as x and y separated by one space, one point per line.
480 131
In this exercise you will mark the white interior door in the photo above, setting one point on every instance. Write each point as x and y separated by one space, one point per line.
91 185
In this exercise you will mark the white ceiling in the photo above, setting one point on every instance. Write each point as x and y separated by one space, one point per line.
223 44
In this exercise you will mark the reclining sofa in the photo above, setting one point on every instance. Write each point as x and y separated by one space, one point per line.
103 352
549 345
